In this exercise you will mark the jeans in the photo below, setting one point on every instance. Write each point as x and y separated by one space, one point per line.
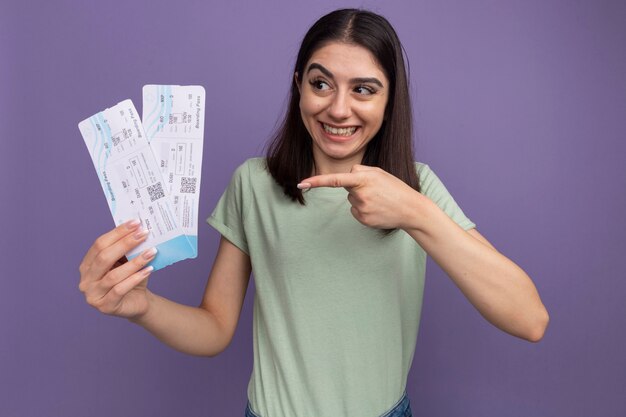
401 409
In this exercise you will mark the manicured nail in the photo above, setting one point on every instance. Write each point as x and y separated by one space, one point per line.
141 234
131 224
149 254
304 185
146 271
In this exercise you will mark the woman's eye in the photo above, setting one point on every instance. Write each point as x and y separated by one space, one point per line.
320 85
364 90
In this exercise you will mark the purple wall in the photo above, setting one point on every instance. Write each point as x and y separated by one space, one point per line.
520 108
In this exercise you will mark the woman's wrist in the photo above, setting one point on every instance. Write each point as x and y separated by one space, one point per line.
142 318
420 211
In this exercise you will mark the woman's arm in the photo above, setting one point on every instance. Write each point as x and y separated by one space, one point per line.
121 290
208 329
500 290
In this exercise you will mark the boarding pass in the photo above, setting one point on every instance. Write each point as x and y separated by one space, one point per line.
132 181
173 116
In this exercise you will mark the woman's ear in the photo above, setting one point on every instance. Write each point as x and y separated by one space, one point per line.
296 80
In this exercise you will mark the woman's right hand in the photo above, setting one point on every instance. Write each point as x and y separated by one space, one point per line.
110 284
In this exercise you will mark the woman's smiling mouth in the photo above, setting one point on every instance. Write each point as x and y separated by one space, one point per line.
339 131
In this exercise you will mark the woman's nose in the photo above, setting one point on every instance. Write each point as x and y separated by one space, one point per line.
340 106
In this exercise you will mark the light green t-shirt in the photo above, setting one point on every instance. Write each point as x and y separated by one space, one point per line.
337 304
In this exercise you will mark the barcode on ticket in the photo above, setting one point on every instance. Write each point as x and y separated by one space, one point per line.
155 191
188 184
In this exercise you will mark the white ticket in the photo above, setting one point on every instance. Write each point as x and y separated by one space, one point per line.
132 181
173 116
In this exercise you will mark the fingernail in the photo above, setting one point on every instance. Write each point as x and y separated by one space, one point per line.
141 234
304 185
148 254
147 270
131 224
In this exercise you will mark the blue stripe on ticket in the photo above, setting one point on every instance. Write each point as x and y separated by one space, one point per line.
193 241
172 251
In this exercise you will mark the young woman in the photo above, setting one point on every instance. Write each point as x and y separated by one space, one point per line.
335 223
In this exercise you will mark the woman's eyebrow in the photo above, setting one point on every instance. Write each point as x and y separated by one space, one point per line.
330 75
323 70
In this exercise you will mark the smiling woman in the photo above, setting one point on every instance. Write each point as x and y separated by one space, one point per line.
341 107
350 65
337 303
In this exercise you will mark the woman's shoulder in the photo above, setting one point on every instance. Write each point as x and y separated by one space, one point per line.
252 166
253 170
421 166
423 170
253 163
429 181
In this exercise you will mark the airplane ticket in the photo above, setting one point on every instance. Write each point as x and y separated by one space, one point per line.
173 116
132 181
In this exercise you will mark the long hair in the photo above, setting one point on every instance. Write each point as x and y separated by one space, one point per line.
290 153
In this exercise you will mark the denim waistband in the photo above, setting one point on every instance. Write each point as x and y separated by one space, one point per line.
401 409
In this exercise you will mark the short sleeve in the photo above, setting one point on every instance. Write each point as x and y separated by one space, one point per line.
433 188
228 216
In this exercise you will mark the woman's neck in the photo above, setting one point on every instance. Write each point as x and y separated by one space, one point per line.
325 165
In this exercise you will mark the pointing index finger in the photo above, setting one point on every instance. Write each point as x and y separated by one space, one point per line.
348 180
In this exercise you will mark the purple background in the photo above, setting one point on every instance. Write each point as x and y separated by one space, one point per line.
520 108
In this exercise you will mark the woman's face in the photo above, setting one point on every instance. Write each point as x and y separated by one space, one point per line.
343 94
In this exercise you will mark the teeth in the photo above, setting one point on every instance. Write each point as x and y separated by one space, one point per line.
344 131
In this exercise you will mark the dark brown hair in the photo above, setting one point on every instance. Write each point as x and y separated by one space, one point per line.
290 154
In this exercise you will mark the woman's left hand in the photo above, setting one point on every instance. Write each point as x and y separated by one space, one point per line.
378 198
